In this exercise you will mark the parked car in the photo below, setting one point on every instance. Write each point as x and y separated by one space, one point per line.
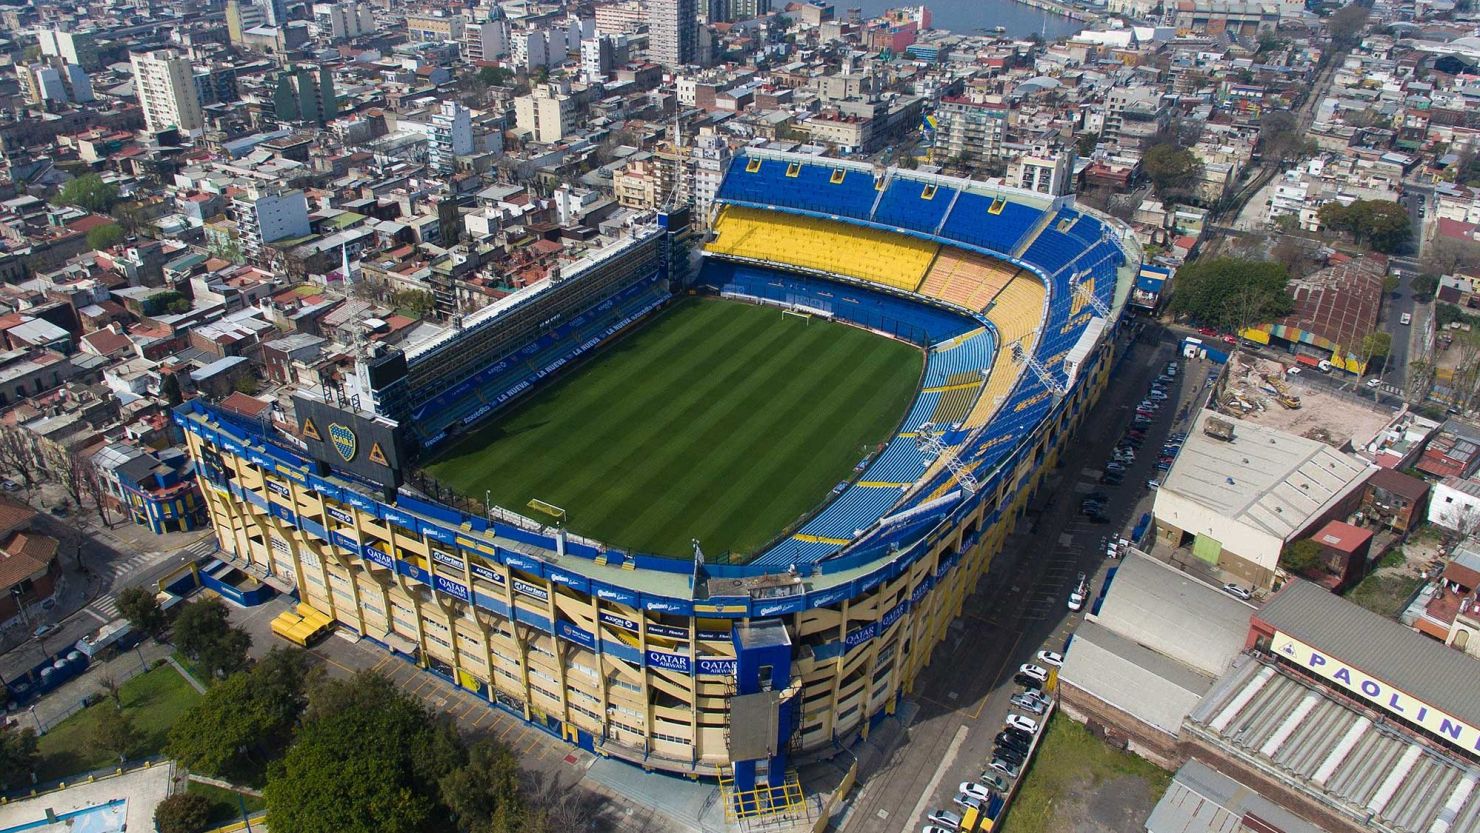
1237 591
1028 682
968 801
45 630
935 828
1027 724
1005 767
994 780
1153 484
1014 742
945 818
1051 658
1027 703
1041 699
975 790
1009 754
1374 382
1037 672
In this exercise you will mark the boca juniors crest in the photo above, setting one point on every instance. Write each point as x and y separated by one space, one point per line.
344 441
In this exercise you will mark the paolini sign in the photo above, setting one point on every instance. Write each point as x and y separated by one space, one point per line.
1376 691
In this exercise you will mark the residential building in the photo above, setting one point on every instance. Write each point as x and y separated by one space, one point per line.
451 136
1044 170
268 214
345 20
438 26
971 130
641 184
164 82
486 41
673 32
53 81
80 48
157 489
303 95
547 114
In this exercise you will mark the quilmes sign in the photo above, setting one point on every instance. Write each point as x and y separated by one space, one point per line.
1376 691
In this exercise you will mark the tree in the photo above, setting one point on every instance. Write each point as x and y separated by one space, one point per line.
19 755
183 813
1346 24
1302 557
109 689
1382 224
141 609
104 237
1280 137
1425 285
1173 171
169 388
203 633
89 193
18 456
415 301
1447 255
115 733
246 384
483 794
367 758
244 721
495 76
1232 293
1377 344
1295 255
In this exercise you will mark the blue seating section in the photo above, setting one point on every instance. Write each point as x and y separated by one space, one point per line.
973 354
967 218
912 321
972 222
812 189
1053 248
505 380
904 206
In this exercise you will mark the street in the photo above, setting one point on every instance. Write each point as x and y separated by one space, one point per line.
1020 606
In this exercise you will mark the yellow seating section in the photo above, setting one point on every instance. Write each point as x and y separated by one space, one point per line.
825 245
965 279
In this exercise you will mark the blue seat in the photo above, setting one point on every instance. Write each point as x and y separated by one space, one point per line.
904 206
971 221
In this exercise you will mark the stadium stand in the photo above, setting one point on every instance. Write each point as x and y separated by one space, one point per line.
820 188
909 203
1053 249
823 245
967 280
996 224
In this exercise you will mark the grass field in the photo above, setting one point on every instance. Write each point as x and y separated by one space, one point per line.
719 421
154 700
1077 782
226 805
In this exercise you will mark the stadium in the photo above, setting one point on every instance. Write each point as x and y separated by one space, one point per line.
734 496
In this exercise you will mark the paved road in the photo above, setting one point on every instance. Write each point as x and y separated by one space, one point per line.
1398 304
1418 199
1018 609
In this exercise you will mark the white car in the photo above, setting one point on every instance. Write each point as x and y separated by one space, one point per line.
945 818
1374 382
1005 767
964 800
975 790
1036 672
1051 658
931 828
1237 591
1076 601
1027 724
1157 395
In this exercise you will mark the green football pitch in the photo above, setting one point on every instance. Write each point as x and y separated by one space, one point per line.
718 420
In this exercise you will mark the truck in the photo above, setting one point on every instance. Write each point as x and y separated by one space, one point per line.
104 638
1311 361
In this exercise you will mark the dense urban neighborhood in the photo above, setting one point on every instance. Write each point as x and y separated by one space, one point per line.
740 415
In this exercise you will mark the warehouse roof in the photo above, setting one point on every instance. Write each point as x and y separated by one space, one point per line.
1174 614
1443 678
1132 678
1202 800
1263 477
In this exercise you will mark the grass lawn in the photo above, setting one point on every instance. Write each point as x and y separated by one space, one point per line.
1070 767
1384 594
154 700
225 804
719 421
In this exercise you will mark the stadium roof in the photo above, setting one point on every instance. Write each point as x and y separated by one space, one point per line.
1132 678
1263 477
1202 800
1420 667
1172 613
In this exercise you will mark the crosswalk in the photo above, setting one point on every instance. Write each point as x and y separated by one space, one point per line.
117 569
105 607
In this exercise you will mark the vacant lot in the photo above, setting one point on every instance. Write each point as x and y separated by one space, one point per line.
153 700
719 421
1078 784
1384 592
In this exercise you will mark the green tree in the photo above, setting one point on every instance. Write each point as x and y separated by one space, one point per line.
203 633
1377 344
247 385
367 758
170 390
1280 137
1383 224
1346 25
114 732
1425 285
182 813
1232 293
483 794
18 757
1302 557
418 303
244 721
89 193
1173 171
494 76
104 237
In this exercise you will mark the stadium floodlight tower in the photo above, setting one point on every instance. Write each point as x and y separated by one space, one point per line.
928 440
1087 296
1021 355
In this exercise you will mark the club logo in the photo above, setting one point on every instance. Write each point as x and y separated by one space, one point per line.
344 441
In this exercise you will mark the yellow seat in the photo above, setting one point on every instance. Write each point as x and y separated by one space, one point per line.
824 245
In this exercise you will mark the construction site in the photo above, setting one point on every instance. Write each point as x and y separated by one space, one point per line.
1260 390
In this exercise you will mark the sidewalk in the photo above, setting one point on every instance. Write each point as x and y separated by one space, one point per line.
67 699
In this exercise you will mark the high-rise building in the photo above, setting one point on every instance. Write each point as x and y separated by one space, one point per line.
547 114
338 21
242 15
52 81
80 48
673 32
486 41
451 136
301 95
165 85
971 129
265 215
276 11
437 27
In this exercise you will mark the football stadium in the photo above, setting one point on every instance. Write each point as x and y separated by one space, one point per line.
730 491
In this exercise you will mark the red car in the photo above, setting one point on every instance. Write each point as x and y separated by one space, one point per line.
1207 331
1228 339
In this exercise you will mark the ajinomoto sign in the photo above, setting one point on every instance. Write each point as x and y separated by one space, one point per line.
1376 692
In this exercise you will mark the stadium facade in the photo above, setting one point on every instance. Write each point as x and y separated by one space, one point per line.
729 670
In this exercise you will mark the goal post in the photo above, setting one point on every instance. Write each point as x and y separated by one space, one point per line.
805 316
548 508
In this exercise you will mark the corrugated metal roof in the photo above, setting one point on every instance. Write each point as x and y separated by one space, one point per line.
1203 800
1132 678
1442 677
1174 614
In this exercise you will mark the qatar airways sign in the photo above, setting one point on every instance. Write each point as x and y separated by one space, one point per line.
1376 691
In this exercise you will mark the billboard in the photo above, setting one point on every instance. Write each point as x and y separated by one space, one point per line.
365 446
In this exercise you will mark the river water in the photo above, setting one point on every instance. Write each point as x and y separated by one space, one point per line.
968 17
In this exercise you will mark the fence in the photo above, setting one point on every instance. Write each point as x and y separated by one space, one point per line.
44 726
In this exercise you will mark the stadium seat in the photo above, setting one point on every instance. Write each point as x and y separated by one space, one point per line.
972 221
822 187
912 204
823 245
965 279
